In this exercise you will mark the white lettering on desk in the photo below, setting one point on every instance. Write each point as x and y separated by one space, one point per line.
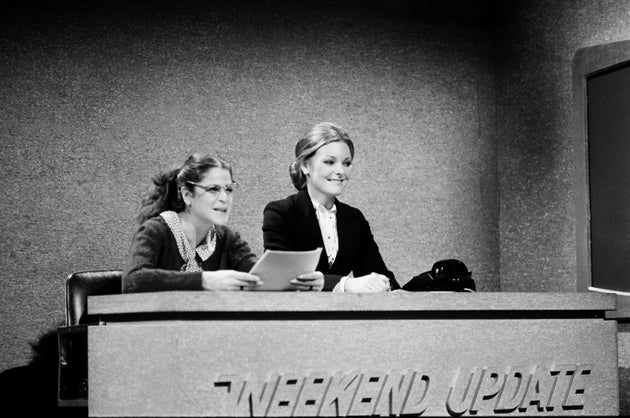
536 389
341 394
515 389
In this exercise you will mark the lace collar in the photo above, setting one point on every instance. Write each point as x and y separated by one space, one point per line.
205 250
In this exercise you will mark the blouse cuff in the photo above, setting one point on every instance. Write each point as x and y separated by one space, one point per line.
341 286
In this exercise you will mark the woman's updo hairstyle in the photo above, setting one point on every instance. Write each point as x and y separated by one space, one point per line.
166 194
321 134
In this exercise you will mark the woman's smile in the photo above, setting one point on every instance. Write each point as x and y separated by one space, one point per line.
328 172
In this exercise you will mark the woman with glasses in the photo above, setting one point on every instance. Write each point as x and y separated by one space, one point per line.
183 242
315 218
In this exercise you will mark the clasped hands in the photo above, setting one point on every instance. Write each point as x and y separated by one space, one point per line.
370 283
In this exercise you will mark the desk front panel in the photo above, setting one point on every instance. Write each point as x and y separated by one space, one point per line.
509 367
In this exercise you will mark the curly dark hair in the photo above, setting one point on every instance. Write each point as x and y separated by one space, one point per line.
166 194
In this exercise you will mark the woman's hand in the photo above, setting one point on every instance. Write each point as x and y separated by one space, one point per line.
313 281
370 283
229 280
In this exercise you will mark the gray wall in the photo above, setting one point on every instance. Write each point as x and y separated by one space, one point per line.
461 113
96 100
535 134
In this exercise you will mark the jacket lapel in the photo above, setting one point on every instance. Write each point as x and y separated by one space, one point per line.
344 232
309 227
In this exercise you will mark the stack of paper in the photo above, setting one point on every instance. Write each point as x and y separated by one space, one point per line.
277 268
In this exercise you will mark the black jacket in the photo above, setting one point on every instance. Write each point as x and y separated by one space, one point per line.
291 225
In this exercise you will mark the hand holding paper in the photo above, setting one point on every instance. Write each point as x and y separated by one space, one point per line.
309 282
229 280
279 270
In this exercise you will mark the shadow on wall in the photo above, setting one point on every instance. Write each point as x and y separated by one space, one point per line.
32 389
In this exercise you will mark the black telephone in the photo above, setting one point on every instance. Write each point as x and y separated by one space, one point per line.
445 276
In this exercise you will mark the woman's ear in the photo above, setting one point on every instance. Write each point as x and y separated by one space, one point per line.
186 195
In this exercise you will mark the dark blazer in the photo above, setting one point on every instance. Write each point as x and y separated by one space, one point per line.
291 225
155 263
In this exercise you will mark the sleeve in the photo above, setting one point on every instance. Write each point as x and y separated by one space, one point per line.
276 229
150 268
370 259
240 256
340 287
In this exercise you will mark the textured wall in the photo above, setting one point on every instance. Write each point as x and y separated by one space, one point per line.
537 40
96 98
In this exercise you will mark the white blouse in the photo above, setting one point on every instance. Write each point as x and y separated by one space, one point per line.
328 226
327 220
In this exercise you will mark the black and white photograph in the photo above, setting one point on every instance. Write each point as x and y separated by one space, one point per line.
266 208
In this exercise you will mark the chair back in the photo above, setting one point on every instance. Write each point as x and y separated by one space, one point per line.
80 285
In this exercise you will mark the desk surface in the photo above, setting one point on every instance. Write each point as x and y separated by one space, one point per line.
199 301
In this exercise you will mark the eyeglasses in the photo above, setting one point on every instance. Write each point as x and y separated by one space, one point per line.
215 189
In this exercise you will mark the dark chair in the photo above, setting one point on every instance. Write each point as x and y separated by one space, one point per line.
72 339
82 284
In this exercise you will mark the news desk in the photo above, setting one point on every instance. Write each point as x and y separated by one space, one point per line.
324 354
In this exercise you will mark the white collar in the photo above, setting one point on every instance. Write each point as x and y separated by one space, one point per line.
319 206
204 250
